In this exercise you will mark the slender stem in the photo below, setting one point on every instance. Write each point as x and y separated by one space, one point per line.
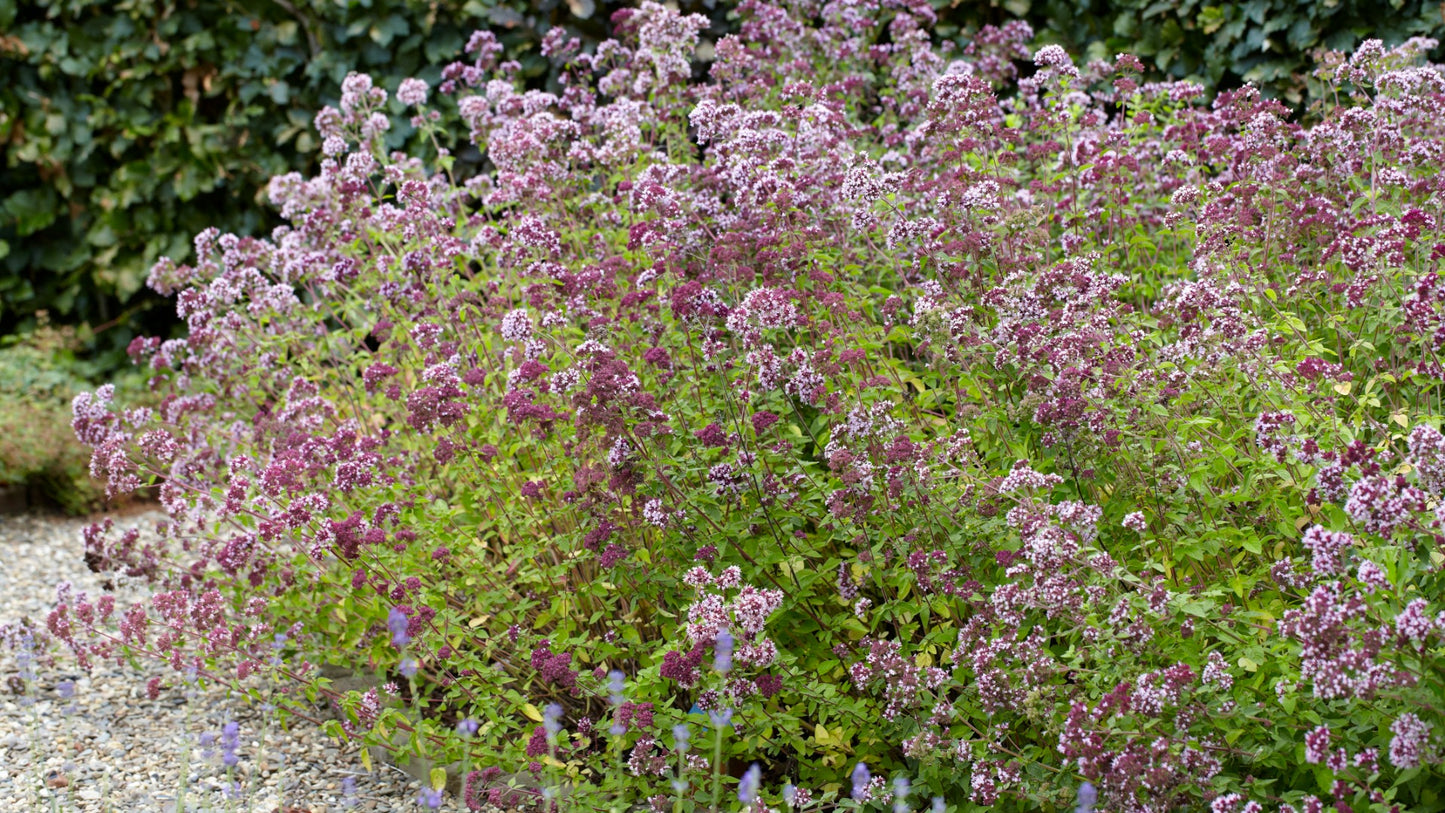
717 766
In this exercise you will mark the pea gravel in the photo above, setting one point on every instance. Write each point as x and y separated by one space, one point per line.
94 742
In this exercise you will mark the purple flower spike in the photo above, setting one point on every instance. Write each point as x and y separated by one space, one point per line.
552 719
348 792
748 786
723 652
860 780
230 741
397 623
900 794
616 682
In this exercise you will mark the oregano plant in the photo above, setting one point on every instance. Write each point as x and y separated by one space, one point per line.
866 425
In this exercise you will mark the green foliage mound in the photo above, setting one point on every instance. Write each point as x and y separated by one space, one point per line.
868 410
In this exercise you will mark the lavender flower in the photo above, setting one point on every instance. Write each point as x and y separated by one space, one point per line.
408 668
397 623
230 742
860 781
723 652
939 806
681 738
66 690
348 792
430 798
721 718
552 720
748 785
207 741
616 682
25 658
1087 798
467 727
900 794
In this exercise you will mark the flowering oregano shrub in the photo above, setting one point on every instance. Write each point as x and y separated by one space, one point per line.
866 410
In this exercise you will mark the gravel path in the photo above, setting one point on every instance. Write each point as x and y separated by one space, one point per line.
95 742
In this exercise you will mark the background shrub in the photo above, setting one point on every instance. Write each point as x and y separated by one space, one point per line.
1271 43
38 449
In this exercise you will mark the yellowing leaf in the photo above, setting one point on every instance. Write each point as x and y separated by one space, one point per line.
532 713
1248 664
923 660
366 758
1343 387
476 622
792 566
1401 419
438 778
821 735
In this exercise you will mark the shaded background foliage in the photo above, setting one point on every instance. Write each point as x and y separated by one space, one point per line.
1267 42
130 125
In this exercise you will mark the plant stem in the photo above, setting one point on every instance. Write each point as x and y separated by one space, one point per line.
717 767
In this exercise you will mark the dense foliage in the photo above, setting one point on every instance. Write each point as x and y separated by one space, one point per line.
865 412
128 127
1271 43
